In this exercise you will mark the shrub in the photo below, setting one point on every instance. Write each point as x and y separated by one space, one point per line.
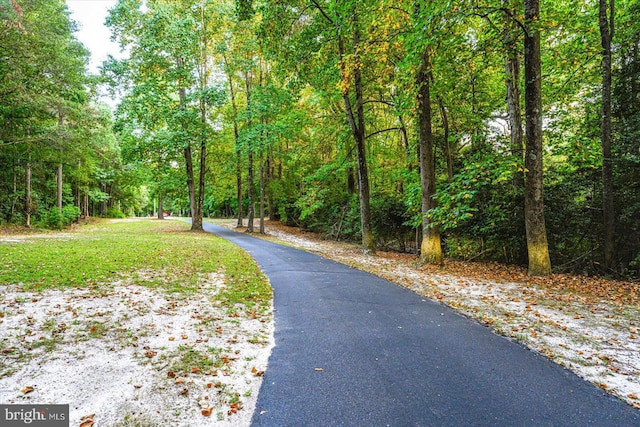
114 212
56 219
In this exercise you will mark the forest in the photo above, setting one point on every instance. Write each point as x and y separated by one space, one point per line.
485 130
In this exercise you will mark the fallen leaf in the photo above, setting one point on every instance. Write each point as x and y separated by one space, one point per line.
150 354
207 411
172 338
319 369
195 370
184 391
184 337
87 423
632 396
171 374
27 389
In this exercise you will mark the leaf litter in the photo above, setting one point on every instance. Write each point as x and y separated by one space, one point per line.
588 325
125 354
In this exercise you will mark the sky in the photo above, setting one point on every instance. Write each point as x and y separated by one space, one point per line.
90 16
93 34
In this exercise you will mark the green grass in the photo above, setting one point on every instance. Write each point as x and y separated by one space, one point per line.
108 251
184 359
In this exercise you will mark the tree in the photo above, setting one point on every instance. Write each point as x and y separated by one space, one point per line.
168 74
431 250
537 246
606 21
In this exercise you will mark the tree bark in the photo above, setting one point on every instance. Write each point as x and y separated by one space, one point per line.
430 248
609 220
447 146
59 187
236 135
262 193
357 125
251 189
160 208
203 168
27 193
512 83
537 246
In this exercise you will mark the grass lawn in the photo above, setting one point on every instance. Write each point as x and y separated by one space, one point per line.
147 252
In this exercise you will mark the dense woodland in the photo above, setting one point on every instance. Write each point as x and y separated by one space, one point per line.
504 130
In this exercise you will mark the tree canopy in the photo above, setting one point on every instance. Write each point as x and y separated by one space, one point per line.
489 130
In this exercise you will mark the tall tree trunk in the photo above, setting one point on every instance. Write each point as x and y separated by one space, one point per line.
447 145
357 127
609 220
236 135
27 193
203 168
537 246
263 138
59 185
512 83
86 204
188 160
273 211
251 188
160 208
262 192
430 248
405 141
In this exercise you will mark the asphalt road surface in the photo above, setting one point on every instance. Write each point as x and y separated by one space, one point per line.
353 349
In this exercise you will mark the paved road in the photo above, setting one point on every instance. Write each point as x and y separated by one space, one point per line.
390 357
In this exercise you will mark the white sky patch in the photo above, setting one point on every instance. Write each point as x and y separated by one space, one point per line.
90 16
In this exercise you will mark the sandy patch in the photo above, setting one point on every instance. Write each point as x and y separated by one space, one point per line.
130 355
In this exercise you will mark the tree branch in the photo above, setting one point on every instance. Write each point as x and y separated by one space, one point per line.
379 101
382 131
327 17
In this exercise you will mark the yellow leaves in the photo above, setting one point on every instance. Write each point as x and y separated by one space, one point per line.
28 389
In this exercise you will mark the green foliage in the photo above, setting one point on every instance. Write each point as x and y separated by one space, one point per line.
389 221
58 219
483 201
114 212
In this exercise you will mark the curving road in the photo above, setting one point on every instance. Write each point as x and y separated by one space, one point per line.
353 349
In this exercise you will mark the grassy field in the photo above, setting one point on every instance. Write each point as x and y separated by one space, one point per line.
148 252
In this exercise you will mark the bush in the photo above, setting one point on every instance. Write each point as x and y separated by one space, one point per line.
389 219
114 212
55 219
